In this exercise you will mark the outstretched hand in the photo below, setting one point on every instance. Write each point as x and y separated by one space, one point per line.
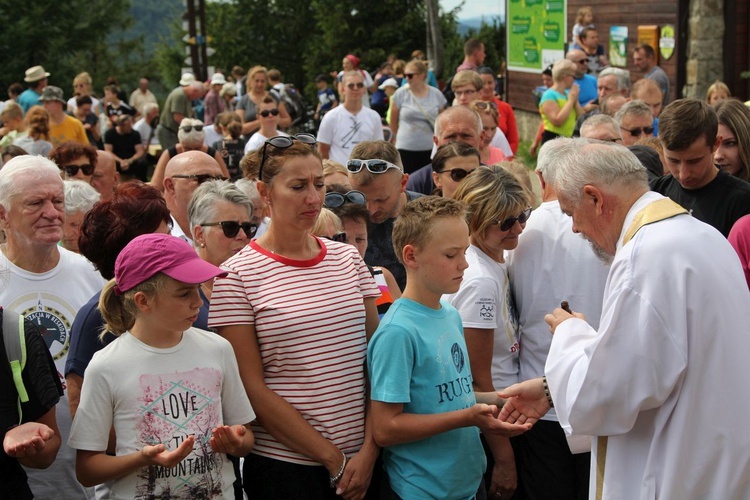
486 418
158 454
525 402
559 315
27 439
227 438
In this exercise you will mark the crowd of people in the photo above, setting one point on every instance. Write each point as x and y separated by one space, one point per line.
214 302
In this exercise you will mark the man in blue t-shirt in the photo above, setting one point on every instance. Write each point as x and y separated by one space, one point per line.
587 83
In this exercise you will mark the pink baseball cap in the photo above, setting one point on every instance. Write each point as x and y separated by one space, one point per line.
153 253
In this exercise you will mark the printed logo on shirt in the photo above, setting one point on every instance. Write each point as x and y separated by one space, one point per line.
52 315
458 357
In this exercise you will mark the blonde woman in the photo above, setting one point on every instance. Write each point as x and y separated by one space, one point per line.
249 104
82 85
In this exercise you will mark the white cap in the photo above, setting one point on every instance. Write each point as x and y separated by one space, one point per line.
391 82
186 79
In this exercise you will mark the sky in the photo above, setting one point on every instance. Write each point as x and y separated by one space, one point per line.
475 8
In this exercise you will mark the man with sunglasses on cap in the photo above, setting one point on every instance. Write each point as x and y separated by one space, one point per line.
347 125
182 176
375 169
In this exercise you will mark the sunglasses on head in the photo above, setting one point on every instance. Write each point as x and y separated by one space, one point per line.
72 170
189 128
283 142
268 112
508 223
336 200
457 174
357 85
374 166
340 237
636 132
232 228
201 178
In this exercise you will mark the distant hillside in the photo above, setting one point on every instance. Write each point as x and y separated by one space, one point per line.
153 20
474 23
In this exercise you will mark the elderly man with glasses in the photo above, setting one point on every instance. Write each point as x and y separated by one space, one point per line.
635 121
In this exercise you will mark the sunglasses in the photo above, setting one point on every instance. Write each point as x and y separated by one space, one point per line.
582 61
485 105
201 178
373 166
189 128
511 221
457 174
409 75
268 112
336 200
637 132
357 85
232 228
72 170
340 237
283 142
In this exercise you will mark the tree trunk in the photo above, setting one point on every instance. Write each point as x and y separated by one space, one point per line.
434 38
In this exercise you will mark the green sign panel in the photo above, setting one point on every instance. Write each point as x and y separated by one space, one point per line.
537 32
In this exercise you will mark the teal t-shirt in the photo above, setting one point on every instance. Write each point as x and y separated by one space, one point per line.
418 357
566 129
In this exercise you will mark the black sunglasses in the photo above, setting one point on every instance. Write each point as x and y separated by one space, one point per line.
340 237
189 128
72 170
201 178
335 200
457 174
357 85
266 112
511 221
232 228
374 166
637 132
409 75
283 142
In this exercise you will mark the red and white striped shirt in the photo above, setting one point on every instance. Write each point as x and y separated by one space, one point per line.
309 319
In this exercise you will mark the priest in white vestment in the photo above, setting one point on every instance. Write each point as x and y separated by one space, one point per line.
663 383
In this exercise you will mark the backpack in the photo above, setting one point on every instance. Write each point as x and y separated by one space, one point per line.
14 339
294 102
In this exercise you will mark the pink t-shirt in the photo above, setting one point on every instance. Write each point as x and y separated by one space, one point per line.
739 238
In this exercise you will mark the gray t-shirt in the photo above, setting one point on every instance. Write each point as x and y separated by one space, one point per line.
416 118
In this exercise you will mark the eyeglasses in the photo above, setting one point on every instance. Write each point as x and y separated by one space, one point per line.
336 200
583 61
374 166
267 112
457 174
485 105
464 92
283 142
409 75
72 170
637 132
511 221
189 128
232 228
340 237
201 178
357 85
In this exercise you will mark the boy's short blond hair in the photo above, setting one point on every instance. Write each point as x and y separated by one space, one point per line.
415 224
467 77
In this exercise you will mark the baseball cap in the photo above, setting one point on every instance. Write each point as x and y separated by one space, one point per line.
149 254
52 93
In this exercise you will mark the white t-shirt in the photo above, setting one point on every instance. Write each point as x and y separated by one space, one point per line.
95 104
51 301
152 396
144 129
257 139
343 130
309 320
484 301
416 118
211 135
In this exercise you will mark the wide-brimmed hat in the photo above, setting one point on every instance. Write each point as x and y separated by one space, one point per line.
52 93
186 79
218 79
35 73
153 253
391 82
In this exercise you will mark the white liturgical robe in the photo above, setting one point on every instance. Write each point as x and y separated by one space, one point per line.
666 377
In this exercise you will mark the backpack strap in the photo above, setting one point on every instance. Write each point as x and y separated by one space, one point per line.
14 339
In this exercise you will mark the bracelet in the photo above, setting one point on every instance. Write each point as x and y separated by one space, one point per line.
546 392
335 479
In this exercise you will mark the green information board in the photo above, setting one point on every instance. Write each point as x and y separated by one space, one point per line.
537 33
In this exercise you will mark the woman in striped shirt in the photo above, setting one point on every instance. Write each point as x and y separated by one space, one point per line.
298 311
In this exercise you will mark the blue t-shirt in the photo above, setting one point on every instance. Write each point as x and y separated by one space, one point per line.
588 92
418 357
326 97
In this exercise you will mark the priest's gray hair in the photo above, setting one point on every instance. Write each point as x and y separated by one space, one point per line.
549 157
607 165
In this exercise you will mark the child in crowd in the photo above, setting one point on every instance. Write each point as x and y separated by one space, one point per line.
717 92
425 412
584 19
232 145
171 393
326 98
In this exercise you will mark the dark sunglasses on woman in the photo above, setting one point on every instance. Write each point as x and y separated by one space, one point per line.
335 200
508 223
189 128
72 170
283 142
231 228
457 174
267 112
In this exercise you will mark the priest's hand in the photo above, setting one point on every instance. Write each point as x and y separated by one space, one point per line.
558 316
525 402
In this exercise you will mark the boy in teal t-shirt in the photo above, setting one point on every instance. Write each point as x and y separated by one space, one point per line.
424 409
